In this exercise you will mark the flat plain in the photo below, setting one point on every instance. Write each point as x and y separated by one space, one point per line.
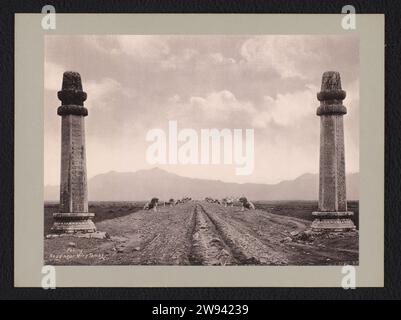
202 233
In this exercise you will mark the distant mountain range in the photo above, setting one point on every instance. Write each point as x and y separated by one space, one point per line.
145 184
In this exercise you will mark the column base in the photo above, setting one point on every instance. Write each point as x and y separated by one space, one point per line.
73 222
333 221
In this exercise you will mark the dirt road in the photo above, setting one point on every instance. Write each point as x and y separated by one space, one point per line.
201 233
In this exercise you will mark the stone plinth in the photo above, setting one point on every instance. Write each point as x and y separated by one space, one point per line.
332 213
70 222
73 216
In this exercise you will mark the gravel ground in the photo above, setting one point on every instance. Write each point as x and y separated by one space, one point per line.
201 233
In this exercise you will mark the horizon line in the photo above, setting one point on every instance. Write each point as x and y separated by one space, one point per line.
241 183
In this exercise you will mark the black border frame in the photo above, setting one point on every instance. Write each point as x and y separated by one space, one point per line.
392 11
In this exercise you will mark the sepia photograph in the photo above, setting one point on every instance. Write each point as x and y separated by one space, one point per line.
201 150
201 158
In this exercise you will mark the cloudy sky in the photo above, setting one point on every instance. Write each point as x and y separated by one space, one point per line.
137 83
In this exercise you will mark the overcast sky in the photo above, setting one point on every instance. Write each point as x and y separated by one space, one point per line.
137 83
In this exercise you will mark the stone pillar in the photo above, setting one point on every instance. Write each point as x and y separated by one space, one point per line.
332 214
73 214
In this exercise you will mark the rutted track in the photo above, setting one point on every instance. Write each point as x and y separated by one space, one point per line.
208 247
219 241
245 248
201 233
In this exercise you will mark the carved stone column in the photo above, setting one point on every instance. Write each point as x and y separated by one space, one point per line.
332 213
73 215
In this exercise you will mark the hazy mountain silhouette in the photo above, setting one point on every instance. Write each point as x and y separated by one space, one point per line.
145 184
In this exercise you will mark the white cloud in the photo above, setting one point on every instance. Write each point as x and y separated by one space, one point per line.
138 47
106 87
174 98
144 47
102 44
218 58
192 59
222 107
53 76
216 103
179 61
287 109
289 55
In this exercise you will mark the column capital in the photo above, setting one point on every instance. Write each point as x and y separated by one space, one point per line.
331 95
73 109
71 95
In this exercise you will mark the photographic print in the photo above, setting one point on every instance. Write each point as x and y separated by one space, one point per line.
205 150
199 150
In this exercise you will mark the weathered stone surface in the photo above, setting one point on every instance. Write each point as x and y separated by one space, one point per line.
332 224
73 184
73 216
71 91
331 95
87 235
65 223
332 185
